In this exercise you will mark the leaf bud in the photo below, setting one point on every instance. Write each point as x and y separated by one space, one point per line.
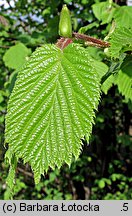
65 26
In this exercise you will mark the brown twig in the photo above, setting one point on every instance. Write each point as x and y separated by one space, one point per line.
91 40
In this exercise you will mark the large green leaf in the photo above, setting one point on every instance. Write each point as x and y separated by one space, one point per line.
121 41
52 107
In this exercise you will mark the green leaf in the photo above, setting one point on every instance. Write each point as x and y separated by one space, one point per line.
84 29
96 53
67 1
121 41
101 183
126 66
12 161
124 81
102 69
107 84
52 107
103 11
123 16
11 82
16 56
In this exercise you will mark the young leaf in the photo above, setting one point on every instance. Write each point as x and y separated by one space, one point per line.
121 41
52 107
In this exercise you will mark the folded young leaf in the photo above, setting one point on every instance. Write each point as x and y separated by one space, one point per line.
52 107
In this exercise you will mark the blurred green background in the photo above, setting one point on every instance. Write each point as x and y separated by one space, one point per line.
104 169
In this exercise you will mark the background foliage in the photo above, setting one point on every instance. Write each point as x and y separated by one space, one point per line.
104 169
